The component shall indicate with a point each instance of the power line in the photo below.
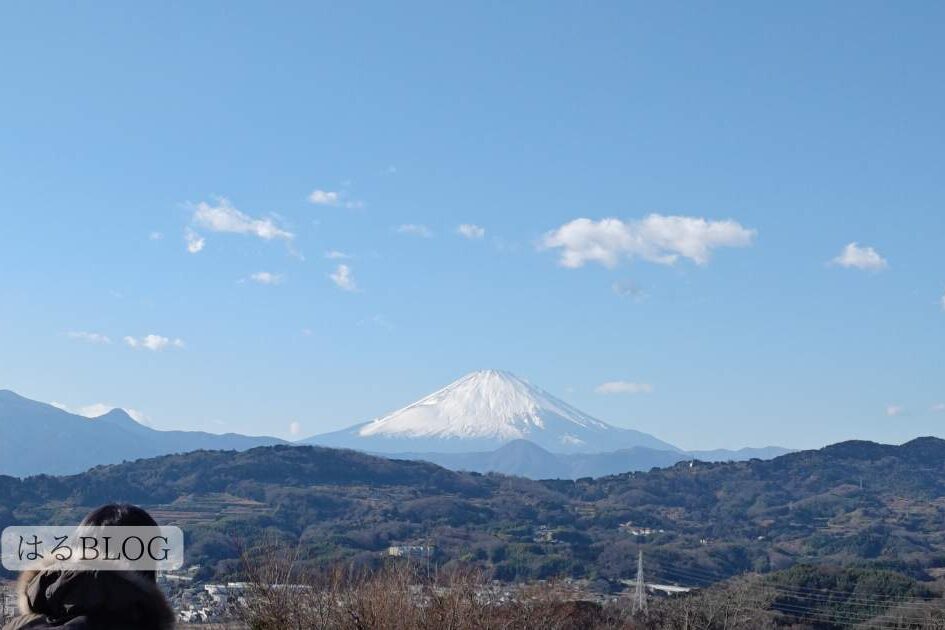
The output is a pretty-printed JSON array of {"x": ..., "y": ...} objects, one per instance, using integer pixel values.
[
  {"x": 876, "y": 607},
  {"x": 711, "y": 577},
  {"x": 823, "y": 595},
  {"x": 849, "y": 617}
]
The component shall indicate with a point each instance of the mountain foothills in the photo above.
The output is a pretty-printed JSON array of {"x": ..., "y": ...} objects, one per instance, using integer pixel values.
[
  {"x": 39, "y": 438},
  {"x": 525, "y": 459},
  {"x": 855, "y": 503}
]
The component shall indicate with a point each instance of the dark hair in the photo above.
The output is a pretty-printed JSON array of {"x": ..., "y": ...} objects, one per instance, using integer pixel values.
[{"x": 121, "y": 515}]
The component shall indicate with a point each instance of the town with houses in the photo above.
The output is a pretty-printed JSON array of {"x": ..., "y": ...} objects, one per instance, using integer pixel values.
[{"x": 200, "y": 603}]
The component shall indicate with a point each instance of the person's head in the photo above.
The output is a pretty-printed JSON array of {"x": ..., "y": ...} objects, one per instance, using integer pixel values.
[
  {"x": 118, "y": 515},
  {"x": 121, "y": 515}
]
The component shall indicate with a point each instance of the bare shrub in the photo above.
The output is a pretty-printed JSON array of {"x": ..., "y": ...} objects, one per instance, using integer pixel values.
[
  {"x": 742, "y": 604},
  {"x": 402, "y": 596}
]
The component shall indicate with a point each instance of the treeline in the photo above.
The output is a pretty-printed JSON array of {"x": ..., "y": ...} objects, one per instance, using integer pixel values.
[{"x": 852, "y": 502}]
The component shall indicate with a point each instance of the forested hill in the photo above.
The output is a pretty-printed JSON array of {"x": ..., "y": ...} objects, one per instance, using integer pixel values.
[
  {"x": 854, "y": 501},
  {"x": 168, "y": 477}
]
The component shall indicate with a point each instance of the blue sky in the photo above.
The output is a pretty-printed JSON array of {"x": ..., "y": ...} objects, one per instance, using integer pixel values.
[{"x": 777, "y": 134}]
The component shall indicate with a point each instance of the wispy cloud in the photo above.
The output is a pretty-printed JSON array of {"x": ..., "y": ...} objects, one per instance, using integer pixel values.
[
  {"x": 506, "y": 247},
  {"x": 471, "y": 231},
  {"x": 655, "y": 238},
  {"x": 295, "y": 428},
  {"x": 324, "y": 197},
  {"x": 153, "y": 342},
  {"x": 943, "y": 302},
  {"x": 623, "y": 387},
  {"x": 265, "y": 277},
  {"x": 194, "y": 241},
  {"x": 628, "y": 289},
  {"x": 377, "y": 320},
  {"x": 894, "y": 410},
  {"x": 343, "y": 278},
  {"x": 413, "y": 229},
  {"x": 94, "y": 410},
  {"x": 321, "y": 197},
  {"x": 224, "y": 217},
  {"x": 937, "y": 407},
  {"x": 89, "y": 337},
  {"x": 855, "y": 256},
  {"x": 334, "y": 254},
  {"x": 155, "y": 236}
]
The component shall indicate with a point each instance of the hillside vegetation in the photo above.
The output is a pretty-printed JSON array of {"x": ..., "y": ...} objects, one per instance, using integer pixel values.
[{"x": 851, "y": 503}]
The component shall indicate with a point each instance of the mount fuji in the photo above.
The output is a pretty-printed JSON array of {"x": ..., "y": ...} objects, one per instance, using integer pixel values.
[{"x": 485, "y": 410}]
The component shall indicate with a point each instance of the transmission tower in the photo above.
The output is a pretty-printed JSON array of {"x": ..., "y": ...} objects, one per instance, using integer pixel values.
[{"x": 639, "y": 590}]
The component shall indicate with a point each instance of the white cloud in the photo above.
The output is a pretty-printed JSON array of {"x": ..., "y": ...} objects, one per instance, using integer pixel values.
[
  {"x": 100, "y": 409},
  {"x": 343, "y": 278},
  {"x": 334, "y": 254},
  {"x": 139, "y": 417},
  {"x": 195, "y": 242},
  {"x": 623, "y": 387},
  {"x": 265, "y": 277},
  {"x": 857, "y": 257},
  {"x": 324, "y": 198},
  {"x": 415, "y": 230},
  {"x": 89, "y": 337},
  {"x": 223, "y": 217},
  {"x": 655, "y": 238},
  {"x": 94, "y": 410},
  {"x": 320, "y": 197},
  {"x": 155, "y": 236},
  {"x": 295, "y": 428},
  {"x": 943, "y": 302},
  {"x": 153, "y": 342},
  {"x": 894, "y": 410},
  {"x": 471, "y": 231},
  {"x": 937, "y": 407}
]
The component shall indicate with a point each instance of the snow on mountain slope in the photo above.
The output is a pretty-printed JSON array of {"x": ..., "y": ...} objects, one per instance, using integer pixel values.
[
  {"x": 490, "y": 404},
  {"x": 487, "y": 409}
]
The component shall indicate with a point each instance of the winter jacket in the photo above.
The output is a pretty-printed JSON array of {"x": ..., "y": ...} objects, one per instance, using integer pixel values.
[{"x": 90, "y": 600}]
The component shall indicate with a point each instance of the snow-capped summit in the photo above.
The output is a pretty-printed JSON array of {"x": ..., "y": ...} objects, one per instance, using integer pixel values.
[
  {"x": 486, "y": 404},
  {"x": 484, "y": 410}
]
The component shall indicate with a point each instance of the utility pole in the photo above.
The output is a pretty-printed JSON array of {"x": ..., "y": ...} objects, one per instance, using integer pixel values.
[
  {"x": 639, "y": 591},
  {"x": 429, "y": 553}
]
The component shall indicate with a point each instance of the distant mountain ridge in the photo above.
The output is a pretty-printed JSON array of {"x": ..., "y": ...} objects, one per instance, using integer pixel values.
[
  {"x": 37, "y": 438},
  {"x": 483, "y": 411},
  {"x": 526, "y": 459}
]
